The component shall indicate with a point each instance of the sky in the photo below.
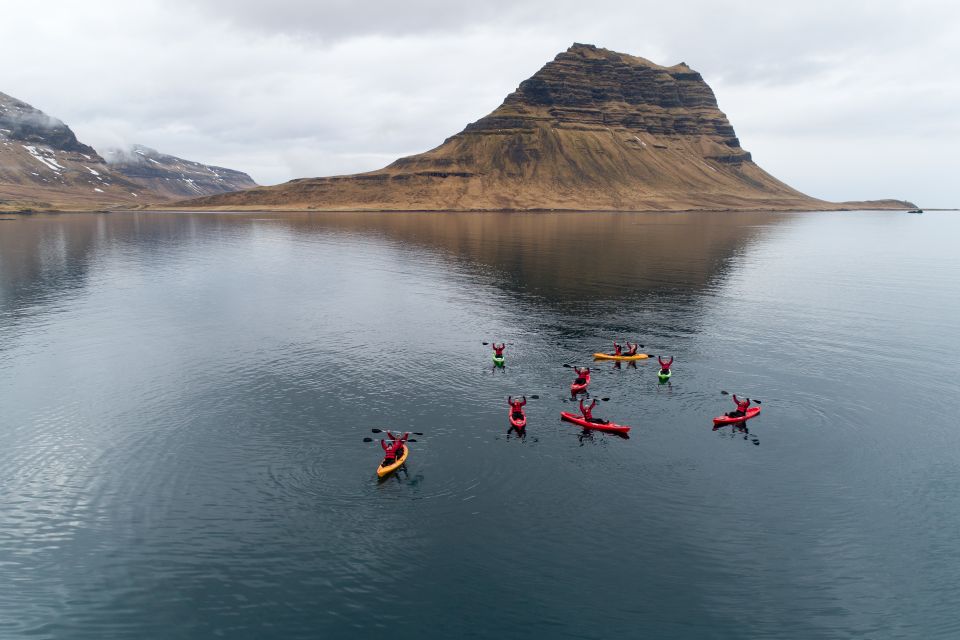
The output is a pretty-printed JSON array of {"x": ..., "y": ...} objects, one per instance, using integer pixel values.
[{"x": 843, "y": 100}]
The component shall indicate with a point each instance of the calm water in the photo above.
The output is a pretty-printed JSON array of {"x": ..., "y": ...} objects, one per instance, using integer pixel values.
[{"x": 184, "y": 397}]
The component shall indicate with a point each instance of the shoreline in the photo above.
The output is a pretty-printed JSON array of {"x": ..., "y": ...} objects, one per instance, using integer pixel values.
[{"x": 31, "y": 212}]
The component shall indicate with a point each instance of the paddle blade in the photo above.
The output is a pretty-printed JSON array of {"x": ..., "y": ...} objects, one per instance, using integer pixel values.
[
  {"x": 605, "y": 399},
  {"x": 566, "y": 366},
  {"x": 410, "y": 440},
  {"x": 377, "y": 430},
  {"x": 368, "y": 439},
  {"x": 416, "y": 433},
  {"x": 724, "y": 393},
  {"x": 757, "y": 401},
  {"x": 486, "y": 343},
  {"x": 534, "y": 397}
]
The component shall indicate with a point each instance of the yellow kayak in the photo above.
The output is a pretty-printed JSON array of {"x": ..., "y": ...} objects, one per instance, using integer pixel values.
[
  {"x": 384, "y": 471},
  {"x": 610, "y": 356}
]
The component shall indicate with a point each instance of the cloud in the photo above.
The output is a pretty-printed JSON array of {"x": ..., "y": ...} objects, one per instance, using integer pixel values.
[{"x": 289, "y": 89}]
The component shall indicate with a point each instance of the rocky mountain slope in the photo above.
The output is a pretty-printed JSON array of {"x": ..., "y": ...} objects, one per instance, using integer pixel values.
[
  {"x": 174, "y": 177},
  {"x": 43, "y": 165},
  {"x": 592, "y": 130}
]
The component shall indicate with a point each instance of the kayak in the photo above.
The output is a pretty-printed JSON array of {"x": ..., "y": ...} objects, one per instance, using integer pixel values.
[
  {"x": 664, "y": 376},
  {"x": 599, "y": 426},
  {"x": 384, "y": 471},
  {"x": 517, "y": 423},
  {"x": 580, "y": 388},
  {"x": 498, "y": 361},
  {"x": 611, "y": 356},
  {"x": 752, "y": 412}
]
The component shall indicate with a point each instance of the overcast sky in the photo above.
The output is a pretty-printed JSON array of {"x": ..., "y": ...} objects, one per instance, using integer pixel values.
[{"x": 842, "y": 100}]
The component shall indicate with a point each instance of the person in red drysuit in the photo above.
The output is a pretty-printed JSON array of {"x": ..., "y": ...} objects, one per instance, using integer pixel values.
[
  {"x": 742, "y": 406},
  {"x": 617, "y": 349},
  {"x": 498, "y": 351},
  {"x": 587, "y": 412},
  {"x": 394, "y": 449},
  {"x": 664, "y": 366},
  {"x": 581, "y": 374},
  {"x": 516, "y": 406},
  {"x": 631, "y": 349}
]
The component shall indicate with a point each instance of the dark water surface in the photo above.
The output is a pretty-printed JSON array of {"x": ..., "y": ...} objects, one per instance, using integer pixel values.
[{"x": 183, "y": 399}]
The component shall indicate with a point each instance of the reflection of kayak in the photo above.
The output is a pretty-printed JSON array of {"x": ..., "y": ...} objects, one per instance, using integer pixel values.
[
  {"x": 498, "y": 361},
  {"x": 587, "y": 424},
  {"x": 664, "y": 376},
  {"x": 751, "y": 413},
  {"x": 580, "y": 388},
  {"x": 610, "y": 356},
  {"x": 518, "y": 423},
  {"x": 384, "y": 471}
]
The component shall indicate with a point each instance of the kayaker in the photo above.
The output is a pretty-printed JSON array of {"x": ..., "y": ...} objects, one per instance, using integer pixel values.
[
  {"x": 581, "y": 374},
  {"x": 631, "y": 349},
  {"x": 741, "y": 407},
  {"x": 587, "y": 412},
  {"x": 617, "y": 349},
  {"x": 664, "y": 366},
  {"x": 498, "y": 351},
  {"x": 516, "y": 406},
  {"x": 393, "y": 449}
]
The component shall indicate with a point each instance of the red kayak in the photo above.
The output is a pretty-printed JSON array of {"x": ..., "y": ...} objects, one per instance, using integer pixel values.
[
  {"x": 580, "y": 388},
  {"x": 518, "y": 420},
  {"x": 752, "y": 412},
  {"x": 587, "y": 424}
]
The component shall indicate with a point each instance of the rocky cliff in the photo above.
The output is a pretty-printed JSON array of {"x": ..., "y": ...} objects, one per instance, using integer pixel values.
[
  {"x": 43, "y": 165},
  {"x": 174, "y": 177},
  {"x": 592, "y": 130}
]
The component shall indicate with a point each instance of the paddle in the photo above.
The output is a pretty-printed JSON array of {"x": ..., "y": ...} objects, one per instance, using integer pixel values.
[
  {"x": 416, "y": 433},
  {"x": 751, "y": 399},
  {"x": 371, "y": 440}
]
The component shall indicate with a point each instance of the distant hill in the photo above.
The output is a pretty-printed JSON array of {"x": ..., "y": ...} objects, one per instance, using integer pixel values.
[
  {"x": 592, "y": 130},
  {"x": 44, "y": 166},
  {"x": 174, "y": 177}
]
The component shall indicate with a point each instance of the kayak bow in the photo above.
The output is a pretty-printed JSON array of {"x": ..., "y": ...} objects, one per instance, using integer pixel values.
[
  {"x": 752, "y": 412},
  {"x": 518, "y": 423},
  {"x": 580, "y": 388},
  {"x": 599, "y": 426},
  {"x": 384, "y": 471},
  {"x": 613, "y": 356}
]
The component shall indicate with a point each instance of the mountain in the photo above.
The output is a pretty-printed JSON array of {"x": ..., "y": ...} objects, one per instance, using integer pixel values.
[
  {"x": 43, "y": 165},
  {"x": 174, "y": 177},
  {"x": 591, "y": 130}
]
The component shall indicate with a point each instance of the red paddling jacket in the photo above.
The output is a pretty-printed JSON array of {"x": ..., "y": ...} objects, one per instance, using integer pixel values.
[
  {"x": 394, "y": 448},
  {"x": 585, "y": 411},
  {"x": 741, "y": 404}
]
